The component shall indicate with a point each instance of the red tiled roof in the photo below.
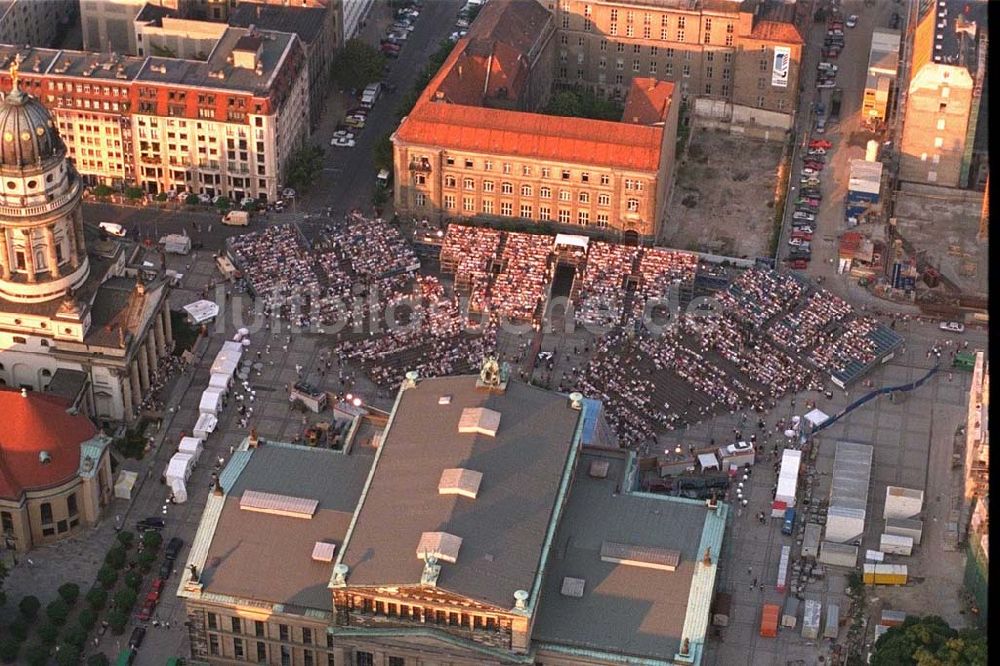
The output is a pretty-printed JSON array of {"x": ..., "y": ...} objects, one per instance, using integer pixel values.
[
  {"x": 33, "y": 424},
  {"x": 776, "y": 31},
  {"x": 648, "y": 101},
  {"x": 498, "y": 132}
]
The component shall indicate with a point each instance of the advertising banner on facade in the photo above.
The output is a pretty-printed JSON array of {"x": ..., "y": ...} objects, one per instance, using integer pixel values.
[{"x": 782, "y": 63}]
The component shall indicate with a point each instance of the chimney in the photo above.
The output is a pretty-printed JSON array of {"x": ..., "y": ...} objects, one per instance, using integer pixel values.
[
  {"x": 520, "y": 600},
  {"x": 576, "y": 400},
  {"x": 411, "y": 379}
]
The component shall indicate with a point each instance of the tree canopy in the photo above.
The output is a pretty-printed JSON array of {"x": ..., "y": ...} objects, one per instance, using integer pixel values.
[
  {"x": 582, "y": 104},
  {"x": 357, "y": 65},
  {"x": 929, "y": 641}
]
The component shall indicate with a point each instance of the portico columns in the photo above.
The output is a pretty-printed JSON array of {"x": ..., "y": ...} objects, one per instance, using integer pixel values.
[{"x": 50, "y": 248}]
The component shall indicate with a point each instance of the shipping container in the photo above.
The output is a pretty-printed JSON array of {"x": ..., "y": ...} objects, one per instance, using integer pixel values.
[
  {"x": 769, "y": 621},
  {"x": 810, "y": 539},
  {"x": 788, "y": 477},
  {"x": 811, "y": 614},
  {"x": 721, "y": 609},
  {"x": 885, "y": 574},
  {"x": 874, "y": 556},
  {"x": 789, "y": 617},
  {"x": 844, "y": 524},
  {"x": 902, "y": 502},
  {"x": 831, "y": 628},
  {"x": 894, "y": 544},
  {"x": 893, "y": 618},
  {"x": 783, "y": 564},
  {"x": 905, "y": 527},
  {"x": 838, "y": 554}
]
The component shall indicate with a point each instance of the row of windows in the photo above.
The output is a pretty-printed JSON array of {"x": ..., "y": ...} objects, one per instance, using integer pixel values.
[
  {"x": 603, "y": 198},
  {"x": 527, "y": 210},
  {"x": 526, "y": 169}
]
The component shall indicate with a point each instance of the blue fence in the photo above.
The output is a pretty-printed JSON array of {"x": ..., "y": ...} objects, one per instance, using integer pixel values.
[{"x": 874, "y": 394}]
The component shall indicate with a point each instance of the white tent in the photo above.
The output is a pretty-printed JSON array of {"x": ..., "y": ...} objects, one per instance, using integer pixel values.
[
  {"x": 179, "y": 468},
  {"x": 179, "y": 489},
  {"x": 205, "y": 426},
  {"x": 202, "y": 311},
  {"x": 192, "y": 446},
  {"x": 708, "y": 461},
  {"x": 817, "y": 417},
  {"x": 573, "y": 240},
  {"x": 124, "y": 484},
  {"x": 220, "y": 381},
  {"x": 211, "y": 402},
  {"x": 228, "y": 359}
]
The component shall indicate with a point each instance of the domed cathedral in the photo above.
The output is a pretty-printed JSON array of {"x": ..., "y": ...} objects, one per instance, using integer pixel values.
[{"x": 75, "y": 319}]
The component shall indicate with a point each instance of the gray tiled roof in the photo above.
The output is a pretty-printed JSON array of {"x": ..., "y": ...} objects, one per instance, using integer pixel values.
[
  {"x": 269, "y": 557},
  {"x": 503, "y": 529},
  {"x": 625, "y": 610},
  {"x": 306, "y": 22}
]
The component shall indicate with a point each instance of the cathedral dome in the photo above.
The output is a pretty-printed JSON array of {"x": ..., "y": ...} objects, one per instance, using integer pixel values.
[{"x": 27, "y": 134}]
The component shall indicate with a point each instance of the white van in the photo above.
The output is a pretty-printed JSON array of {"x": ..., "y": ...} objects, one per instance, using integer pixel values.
[{"x": 371, "y": 94}]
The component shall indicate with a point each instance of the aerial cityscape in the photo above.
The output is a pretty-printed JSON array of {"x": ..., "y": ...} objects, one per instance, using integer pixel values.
[{"x": 494, "y": 332}]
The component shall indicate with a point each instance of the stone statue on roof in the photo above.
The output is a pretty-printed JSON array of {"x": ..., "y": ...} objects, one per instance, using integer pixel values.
[{"x": 489, "y": 374}]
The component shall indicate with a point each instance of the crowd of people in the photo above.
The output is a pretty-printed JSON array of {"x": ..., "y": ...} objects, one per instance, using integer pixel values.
[
  {"x": 659, "y": 270},
  {"x": 798, "y": 330},
  {"x": 526, "y": 272},
  {"x": 601, "y": 298}
]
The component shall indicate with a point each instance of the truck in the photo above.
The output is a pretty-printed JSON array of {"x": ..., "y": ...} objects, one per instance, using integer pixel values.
[
  {"x": 789, "y": 523},
  {"x": 835, "y": 101},
  {"x": 176, "y": 243},
  {"x": 236, "y": 218},
  {"x": 769, "y": 620},
  {"x": 371, "y": 94}
]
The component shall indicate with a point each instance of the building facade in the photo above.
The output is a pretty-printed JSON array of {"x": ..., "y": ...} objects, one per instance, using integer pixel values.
[
  {"x": 67, "y": 303},
  {"x": 56, "y": 470},
  {"x": 471, "y": 147},
  {"x": 35, "y": 22},
  {"x": 935, "y": 125},
  {"x": 224, "y": 126},
  {"x": 740, "y": 61}
]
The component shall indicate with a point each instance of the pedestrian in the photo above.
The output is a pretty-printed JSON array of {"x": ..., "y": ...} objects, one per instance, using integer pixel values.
[{"x": 754, "y": 584}]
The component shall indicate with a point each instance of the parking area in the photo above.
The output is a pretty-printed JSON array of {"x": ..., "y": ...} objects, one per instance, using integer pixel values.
[{"x": 723, "y": 197}]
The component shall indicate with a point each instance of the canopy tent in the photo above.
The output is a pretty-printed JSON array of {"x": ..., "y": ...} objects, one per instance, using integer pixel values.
[
  {"x": 220, "y": 381},
  {"x": 124, "y": 484},
  {"x": 192, "y": 446},
  {"x": 817, "y": 417},
  {"x": 205, "y": 426},
  {"x": 228, "y": 359},
  {"x": 179, "y": 489},
  {"x": 179, "y": 468},
  {"x": 202, "y": 311},
  {"x": 211, "y": 402},
  {"x": 708, "y": 461}
]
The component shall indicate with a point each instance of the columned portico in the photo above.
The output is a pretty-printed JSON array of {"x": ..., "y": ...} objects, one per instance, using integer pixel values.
[
  {"x": 136, "y": 387},
  {"x": 48, "y": 234},
  {"x": 143, "y": 362}
]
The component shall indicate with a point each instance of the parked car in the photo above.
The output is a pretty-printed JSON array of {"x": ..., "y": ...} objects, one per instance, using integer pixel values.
[
  {"x": 821, "y": 143},
  {"x": 173, "y": 548},
  {"x": 150, "y": 523},
  {"x": 288, "y": 193},
  {"x": 343, "y": 134},
  {"x": 852, "y": 21},
  {"x": 343, "y": 143},
  {"x": 814, "y": 164},
  {"x": 807, "y": 201},
  {"x": 817, "y": 152},
  {"x": 811, "y": 192},
  {"x": 826, "y": 67},
  {"x": 952, "y": 326},
  {"x": 148, "y": 606},
  {"x": 135, "y": 640},
  {"x": 166, "y": 569},
  {"x": 204, "y": 198},
  {"x": 798, "y": 264},
  {"x": 799, "y": 215},
  {"x": 804, "y": 230},
  {"x": 806, "y": 171}
]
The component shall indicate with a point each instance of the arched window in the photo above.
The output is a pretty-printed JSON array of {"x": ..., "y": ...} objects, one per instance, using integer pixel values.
[{"x": 46, "y": 513}]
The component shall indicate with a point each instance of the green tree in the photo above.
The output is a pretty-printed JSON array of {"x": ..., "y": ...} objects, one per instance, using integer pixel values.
[
  {"x": 99, "y": 659},
  {"x": 117, "y": 619},
  {"x": 223, "y": 203},
  {"x": 303, "y": 167},
  {"x": 115, "y": 557},
  {"x": 102, "y": 191},
  {"x": 97, "y": 597},
  {"x": 192, "y": 200},
  {"x": 9, "y": 649},
  {"x": 134, "y": 192},
  {"x": 357, "y": 65},
  {"x": 69, "y": 654},
  {"x": 69, "y": 592},
  {"x": 57, "y": 611},
  {"x": 564, "y": 103},
  {"x": 125, "y": 598},
  {"x": 382, "y": 152},
  {"x": 87, "y": 619},
  {"x": 107, "y": 576},
  {"x": 133, "y": 579},
  {"x": 146, "y": 559},
  {"x": 929, "y": 641},
  {"x": 29, "y": 607},
  {"x": 36, "y": 655},
  {"x": 126, "y": 538},
  {"x": 48, "y": 633}
]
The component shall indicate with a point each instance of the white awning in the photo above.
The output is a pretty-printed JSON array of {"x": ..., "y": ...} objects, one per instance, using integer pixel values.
[
  {"x": 708, "y": 461},
  {"x": 817, "y": 417},
  {"x": 202, "y": 311},
  {"x": 570, "y": 239}
]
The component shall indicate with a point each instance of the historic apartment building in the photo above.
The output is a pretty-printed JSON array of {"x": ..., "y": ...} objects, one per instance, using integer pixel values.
[
  {"x": 36, "y": 22},
  {"x": 734, "y": 61},
  {"x": 520, "y": 539},
  {"x": 945, "y": 123},
  {"x": 73, "y": 319},
  {"x": 471, "y": 147},
  {"x": 223, "y": 126}
]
